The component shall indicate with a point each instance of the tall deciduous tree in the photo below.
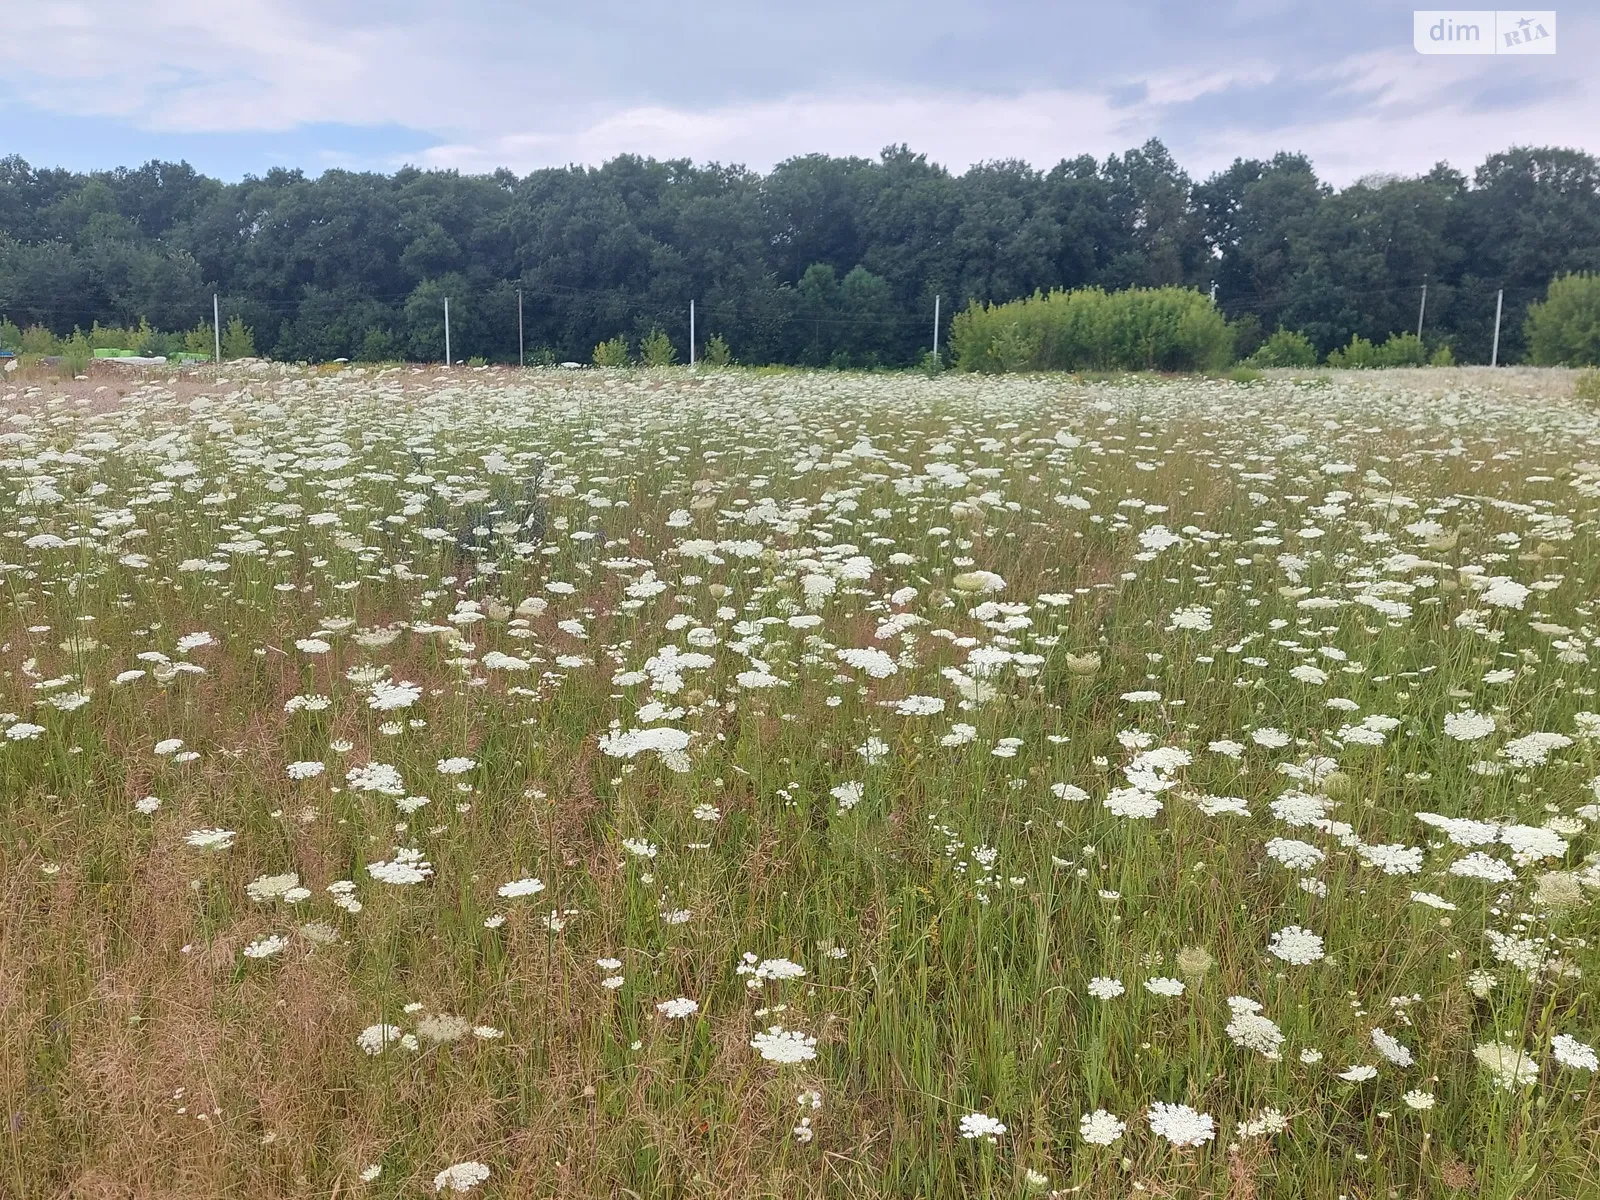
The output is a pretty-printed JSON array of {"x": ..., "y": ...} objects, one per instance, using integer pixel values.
[{"x": 821, "y": 260}]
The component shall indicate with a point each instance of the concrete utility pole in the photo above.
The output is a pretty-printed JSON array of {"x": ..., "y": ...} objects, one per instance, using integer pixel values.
[
  {"x": 1423, "y": 307},
  {"x": 691, "y": 333},
  {"x": 521, "y": 360},
  {"x": 216, "y": 325},
  {"x": 936, "y": 324},
  {"x": 1494, "y": 355},
  {"x": 447, "y": 331}
]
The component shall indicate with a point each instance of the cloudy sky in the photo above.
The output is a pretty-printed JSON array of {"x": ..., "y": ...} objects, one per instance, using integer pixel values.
[{"x": 241, "y": 86}]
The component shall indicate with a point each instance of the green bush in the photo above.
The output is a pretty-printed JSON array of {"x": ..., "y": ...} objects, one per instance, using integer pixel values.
[
  {"x": 1443, "y": 357},
  {"x": 36, "y": 339},
  {"x": 1140, "y": 329},
  {"x": 1401, "y": 350},
  {"x": 1360, "y": 354},
  {"x": 1285, "y": 348},
  {"x": 1587, "y": 385},
  {"x": 76, "y": 354},
  {"x": 113, "y": 337},
  {"x": 657, "y": 350},
  {"x": 157, "y": 344},
  {"x": 1247, "y": 335},
  {"x": 200, "y": 340},
  {"x": 378, "y": 345},
  {"x": 1016, "y": 347},
  {"x": 1244, "y": 375},
  {"x": 717, "y": 352},
  {"x": 613, "y": 353},
  {"x": 238, "y": 339},
  {"x": 1564, "y": 328}
]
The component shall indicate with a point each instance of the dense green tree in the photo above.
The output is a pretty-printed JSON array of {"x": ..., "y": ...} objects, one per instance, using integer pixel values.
[
  {"x": 1248, "y": 214},
  {"x": 817, "y": 309},
  {"x": 868, "y": 332},
  {"x": 821, "y": 260},
  {"x": 1564, "y": 328},
  {"x": 1007, "y": 237},
  {"x": 1359, "y": 260},
  {"x": 814, "y": 207},
  {"x": 1532, "y": 214},
  {"x": 1150, "y": 199}
]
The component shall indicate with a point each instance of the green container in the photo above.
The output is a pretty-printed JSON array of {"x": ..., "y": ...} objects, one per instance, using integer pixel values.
[{"x": 104, "y": 353}]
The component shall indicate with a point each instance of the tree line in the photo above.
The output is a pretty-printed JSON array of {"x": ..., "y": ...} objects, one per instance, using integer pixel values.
[{"x": 822, "y": 260}]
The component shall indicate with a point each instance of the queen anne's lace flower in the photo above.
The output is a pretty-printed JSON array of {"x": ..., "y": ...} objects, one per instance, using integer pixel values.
[
  {"x": 1509, "y": 1067},
  {"x": 460, "y": 1177},
  {"x": 1181, "y": 1125},
  {"x": 405, "y": 868},
  {"x": 1100, "y": 1128},
  {"x": 981, "y": 1126},
  {"x": 1296, "y": 946},
  {"x": 1570, "y": 1052},
  {"x": 781, "y": 1045}
]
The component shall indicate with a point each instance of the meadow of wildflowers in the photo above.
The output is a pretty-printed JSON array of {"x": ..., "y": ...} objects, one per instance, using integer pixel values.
[{"x": 764, "y": 784}]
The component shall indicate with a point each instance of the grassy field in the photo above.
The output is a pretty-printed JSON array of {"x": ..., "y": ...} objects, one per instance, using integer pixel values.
[{"x": 653, "y": 784}]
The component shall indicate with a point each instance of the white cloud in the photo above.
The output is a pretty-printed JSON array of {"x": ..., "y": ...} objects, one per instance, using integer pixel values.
[
  {"x": 954, "y": 130},
  {"x": 1419, "y": 113},
  {"x": 1410, "y": 124},
  {"x": 525, "y": 100},
  {"x": 184, "y": 66}
]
